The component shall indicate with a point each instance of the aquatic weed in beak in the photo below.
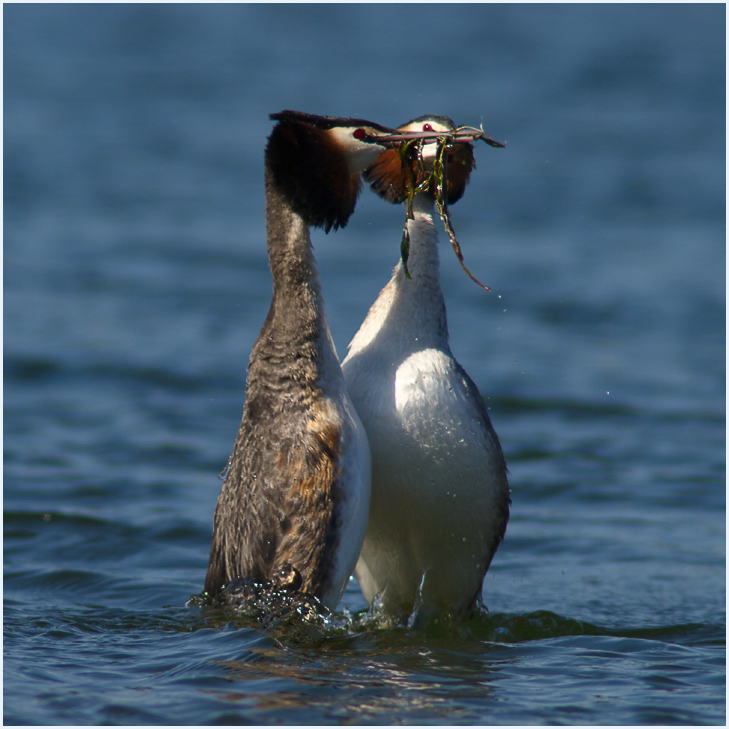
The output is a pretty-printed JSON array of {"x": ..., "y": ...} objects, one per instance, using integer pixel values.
[{"x": 438, "y": 177}]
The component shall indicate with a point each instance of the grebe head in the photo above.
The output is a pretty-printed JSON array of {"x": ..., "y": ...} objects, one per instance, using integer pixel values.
[
  {"x": 317, "y": 160},
  {"x": 389, "y": 174}
]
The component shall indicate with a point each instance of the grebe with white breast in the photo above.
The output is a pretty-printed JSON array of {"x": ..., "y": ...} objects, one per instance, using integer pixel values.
[{"x": 440, "y": 498}]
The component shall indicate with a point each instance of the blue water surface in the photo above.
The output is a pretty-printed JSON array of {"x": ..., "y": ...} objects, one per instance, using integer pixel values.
[{"x": 136, "y": 281}]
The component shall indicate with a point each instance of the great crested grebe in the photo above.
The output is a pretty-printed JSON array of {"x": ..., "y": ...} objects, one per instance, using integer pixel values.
[
  {"x": 296, "y": 495},
  {"x": 440, "y": 497}
]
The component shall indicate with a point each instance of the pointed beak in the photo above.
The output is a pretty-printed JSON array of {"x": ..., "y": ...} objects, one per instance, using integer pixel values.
[
  {"x": 462, "y": 135},
  {"x": 471, "y": 134}
]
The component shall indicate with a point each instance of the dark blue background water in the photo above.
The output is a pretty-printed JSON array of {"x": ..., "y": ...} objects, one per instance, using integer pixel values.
[{"x": 136, "y": 282}]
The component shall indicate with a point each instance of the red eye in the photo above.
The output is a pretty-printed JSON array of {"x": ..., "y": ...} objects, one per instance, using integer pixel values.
[
  {"x": 427, "y": 128},
  {"x": 359, "y": 133}
]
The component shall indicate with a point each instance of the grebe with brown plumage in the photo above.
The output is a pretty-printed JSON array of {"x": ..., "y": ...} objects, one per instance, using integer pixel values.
[{"x": 296, "y": 495}]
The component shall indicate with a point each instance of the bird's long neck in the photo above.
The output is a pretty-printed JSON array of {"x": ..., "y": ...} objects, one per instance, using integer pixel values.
[
  {"x": 410, "y": 312},
  {"x": 290, "y": 254},
  {"x": 420, "y": 298},
  {"x": 295, "y": 344},
  {"x": 423, "y": 262}
]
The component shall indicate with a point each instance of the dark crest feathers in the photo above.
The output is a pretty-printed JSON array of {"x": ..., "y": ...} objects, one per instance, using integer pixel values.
[{"x": 311, "y": 170}]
